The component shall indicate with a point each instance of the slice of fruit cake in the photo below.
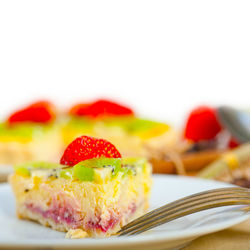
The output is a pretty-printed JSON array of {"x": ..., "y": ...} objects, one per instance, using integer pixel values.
[
  {"x": 93, "y": 190},
  {"x": 31, "y": 133}
]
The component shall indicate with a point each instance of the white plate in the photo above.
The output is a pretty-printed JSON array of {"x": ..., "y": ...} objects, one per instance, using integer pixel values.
[{"x": 175, "y": 234}]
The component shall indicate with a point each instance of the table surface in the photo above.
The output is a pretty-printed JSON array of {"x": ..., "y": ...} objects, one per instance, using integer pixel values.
[{"x": 235, "y": 238}]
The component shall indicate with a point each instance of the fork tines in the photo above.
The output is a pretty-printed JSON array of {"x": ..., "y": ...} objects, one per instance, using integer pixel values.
[{"x": 188, "y": 205}]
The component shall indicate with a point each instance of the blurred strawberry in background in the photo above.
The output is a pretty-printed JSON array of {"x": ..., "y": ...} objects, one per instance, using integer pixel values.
[
  {"x": 100, "y": 107},
  {"x": 39, "y": 112},
  {"x": 202, "y": 124}
]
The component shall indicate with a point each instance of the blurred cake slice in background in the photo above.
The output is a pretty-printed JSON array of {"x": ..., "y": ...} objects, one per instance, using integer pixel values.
[
  {"x": 30, "y": 133},
  {"x": 119, "y": 124}
]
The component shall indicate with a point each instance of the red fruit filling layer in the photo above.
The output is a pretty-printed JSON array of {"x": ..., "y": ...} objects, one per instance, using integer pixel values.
[
  {"x": 57, "y": 214},
  {"x": 69, "y": 216}
]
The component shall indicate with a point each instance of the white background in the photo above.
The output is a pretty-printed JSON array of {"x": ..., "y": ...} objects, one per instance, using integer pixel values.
[{"x": 162, "y": 57}]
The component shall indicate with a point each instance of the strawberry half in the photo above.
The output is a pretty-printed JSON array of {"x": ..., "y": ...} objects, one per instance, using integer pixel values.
[
  {"x": 233, "y": 143},
  {"x": 87, "y": 147},
  {"x": 202, "y": 124},
  {"x": 80, "y": 109},
  {"x": 40, "y": 112},
  {"x": 100, "y": 108}
]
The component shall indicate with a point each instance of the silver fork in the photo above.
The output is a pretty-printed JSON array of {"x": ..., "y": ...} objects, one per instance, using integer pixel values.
[{"x": 188, "y": 205}]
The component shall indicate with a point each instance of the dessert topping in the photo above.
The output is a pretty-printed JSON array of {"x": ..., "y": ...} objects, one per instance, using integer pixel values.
[
  {"x": 86, "y": 147},
  {"x": 202, "y": 124},
  {"x": 40, "y": 112},
  {"x": 100, "y": 108}
]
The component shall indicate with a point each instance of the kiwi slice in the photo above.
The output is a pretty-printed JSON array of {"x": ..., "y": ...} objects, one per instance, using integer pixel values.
[
  {"x": 27, "y": 167},
  {"x": 85, "y": 170},
  {"x": 67, "y": 173},
  {"x": 129, "y": 165},
  {"x": 83, "y": 173}
]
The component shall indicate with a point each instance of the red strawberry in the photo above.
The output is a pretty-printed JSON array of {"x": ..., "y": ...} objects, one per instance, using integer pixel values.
[
  {"x": 202, "y": 124},
  {"x": 41, "y": 112},
  {"x": 79, "y": 109},
  {"x": 100, "y": 108},
  {"x": 86, "y": 147},
  {"x": 233, "y": 143}
]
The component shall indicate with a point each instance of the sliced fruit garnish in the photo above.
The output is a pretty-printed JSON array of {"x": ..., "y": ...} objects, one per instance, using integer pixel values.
[
  {"x": 79, "y": 109},
  {"x": 40, "y": 112},
  {"x": 86, "y": 147},
  {"x": 84, "y": 170},
  {"x": 129, "y": 165},
  {"x": 101, "y": 162},
  {"x": 22, "y": 171},
  {"x": 100, "y": 108},
  {"x": 233, "y": 143},
  {"x": 146, "y": 129},
  {"x": 67, "y": 173},
  {"x": 83, "y": 173},
  {"x": 138, "y": 125},
  {"x": 136, "y": 161},
  {"x": 25, "y": 168},
  {"x": 202, "y": 124}
]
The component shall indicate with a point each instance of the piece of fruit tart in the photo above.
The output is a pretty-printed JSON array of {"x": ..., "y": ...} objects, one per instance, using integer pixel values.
[
  {"x": 119, "y": 124},
  {"x": 93, "y": 192},
  {"x": 30, "y": 134}
]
